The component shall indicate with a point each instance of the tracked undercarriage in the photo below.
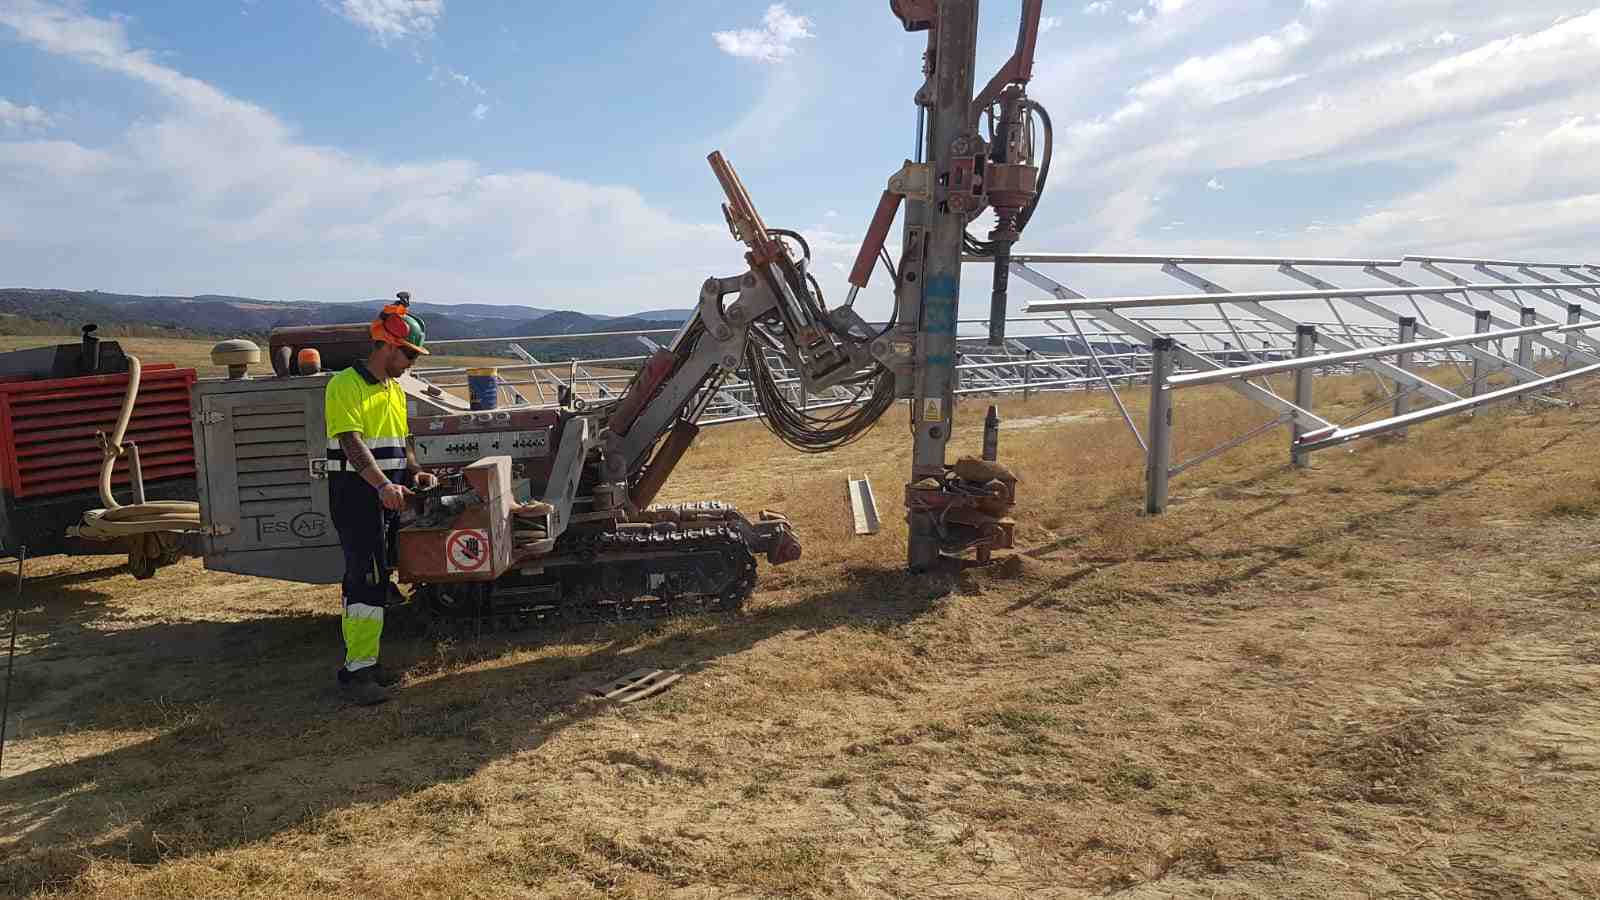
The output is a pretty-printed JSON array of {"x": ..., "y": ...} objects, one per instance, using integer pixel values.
[{"x": 669, "y": 561}]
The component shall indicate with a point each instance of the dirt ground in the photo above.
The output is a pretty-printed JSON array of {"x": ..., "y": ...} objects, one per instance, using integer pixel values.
[{"x": 1373, "y": 678}]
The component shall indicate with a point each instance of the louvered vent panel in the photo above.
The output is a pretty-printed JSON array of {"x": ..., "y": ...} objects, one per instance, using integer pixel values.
[
  {"x": 269, "y": 445},
  {"x": 51, "y": 427}
]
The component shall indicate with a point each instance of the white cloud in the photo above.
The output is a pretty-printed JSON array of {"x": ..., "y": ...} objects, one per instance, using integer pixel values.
[
  {"x": 1152, "y": 9},
  {"x": 479, "y": 111},
  {"x": 1049, "y": 23},
  {"x": 1392, "y": 47},
  {"x": 1234, "y": 72},
  {"x": 1479, "y": 151},
  {"x": 1098, "y": 8},
  {"x": 392, "y": 20},
  {"x": 772, "y": 42},
  {"x": 14, "y": 115},
  {"x": 459, "y": 78},
  {"x": 254, "y": 208},
  {"x": 1215, "y": 184}
]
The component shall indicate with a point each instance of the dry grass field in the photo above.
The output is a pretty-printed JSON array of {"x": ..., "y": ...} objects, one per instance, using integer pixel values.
[
  {"x": 1379, "y": 677},
  {"x": 197, "y": 354}
]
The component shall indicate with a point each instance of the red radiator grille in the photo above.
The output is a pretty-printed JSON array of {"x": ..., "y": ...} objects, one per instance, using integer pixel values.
[{"x": 48, "y": 429}]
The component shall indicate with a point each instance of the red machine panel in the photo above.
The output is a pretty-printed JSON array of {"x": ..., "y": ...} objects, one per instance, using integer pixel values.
[{"x": 48, "y": 427}]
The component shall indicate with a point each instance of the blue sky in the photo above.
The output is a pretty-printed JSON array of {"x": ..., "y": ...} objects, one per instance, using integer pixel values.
[{"x": 552, "y": 153}]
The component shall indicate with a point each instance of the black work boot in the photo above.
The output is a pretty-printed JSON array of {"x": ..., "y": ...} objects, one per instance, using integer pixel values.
[
  {"x": 385, "y": 677},
  {"x": 360, "y": 687}
]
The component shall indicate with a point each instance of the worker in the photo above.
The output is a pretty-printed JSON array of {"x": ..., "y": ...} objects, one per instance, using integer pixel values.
[{"x": 371, "y": 471}]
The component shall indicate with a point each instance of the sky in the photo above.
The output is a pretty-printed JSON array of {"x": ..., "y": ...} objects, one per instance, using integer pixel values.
[{"x": 553, "y": 153}]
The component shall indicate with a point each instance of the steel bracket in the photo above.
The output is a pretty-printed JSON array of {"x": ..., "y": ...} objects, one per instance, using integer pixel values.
[{"x": 914, "y": 181}]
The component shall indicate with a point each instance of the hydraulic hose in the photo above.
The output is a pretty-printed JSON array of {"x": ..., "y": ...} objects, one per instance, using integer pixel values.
[
  {"x": 115, "y": 520},
  {"x": 113, "y": 447}
]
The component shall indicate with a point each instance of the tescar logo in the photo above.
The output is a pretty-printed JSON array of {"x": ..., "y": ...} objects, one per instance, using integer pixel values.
[{"x": 307, "y": 526}]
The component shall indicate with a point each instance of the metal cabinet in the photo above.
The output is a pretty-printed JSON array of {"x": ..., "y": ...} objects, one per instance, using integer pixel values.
[{"x": 263, "y": 489}]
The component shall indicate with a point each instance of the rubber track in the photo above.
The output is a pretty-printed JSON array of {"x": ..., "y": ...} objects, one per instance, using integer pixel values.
[{"x": 592, "y": 553}]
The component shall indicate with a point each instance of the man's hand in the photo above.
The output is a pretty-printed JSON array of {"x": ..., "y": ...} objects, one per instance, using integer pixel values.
[
  {"x": 425, "y": 481},
  {"x": 393, "y": 497}
]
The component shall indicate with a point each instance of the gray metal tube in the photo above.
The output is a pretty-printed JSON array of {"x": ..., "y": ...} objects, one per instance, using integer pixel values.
[
  {"x": 1493, "y": 290},
  {"x": 1574, "y": 316},
  {"x": 1338, "y": 436},
  {"x": 991, "y": 434},
  {"x": 1402, "y": 393},
  {"x": 997, "y": 296},
  {"x": 135, "y": 471},
  {"x": 1530, "y": 316},
  {"x": 1159, "y": 459},
  {"x": 1481, "y": 323},
  {"x": 1305, "y": 344}
]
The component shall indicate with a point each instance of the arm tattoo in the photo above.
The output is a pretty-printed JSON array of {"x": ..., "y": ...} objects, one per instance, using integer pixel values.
[
  {"x": 411, "y": 456},
  {"x": 358, "y": 456}
]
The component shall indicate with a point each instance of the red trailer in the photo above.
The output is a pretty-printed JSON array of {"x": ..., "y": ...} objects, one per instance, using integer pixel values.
[{"x": 53, "y": 403}]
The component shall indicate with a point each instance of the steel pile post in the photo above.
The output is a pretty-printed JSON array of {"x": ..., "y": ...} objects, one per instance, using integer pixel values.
[
  {"x": 1159, "y": 459},
  {"x": 1402, "y": 393},
  {"x": 1574, "y": 316},
  {"x": 1530, "y": 316},
  {"x": 1305, "y": 344},
  {"x": 1481, "y": 323}
]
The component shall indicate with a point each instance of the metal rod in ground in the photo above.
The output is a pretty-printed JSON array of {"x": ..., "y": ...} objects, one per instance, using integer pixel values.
[
  {"x": 1402, "y": 392},
  {"x": 11, "y": 658},
  {"x": 1481, "y": 323},
  {"x": 1305, "y": 344},
  {"x": 1574, "y": 316},
  {"x": 991, "y": 434},
  {"x": 1159, "y": 458},
  {"x": 1530, "y": 316}
]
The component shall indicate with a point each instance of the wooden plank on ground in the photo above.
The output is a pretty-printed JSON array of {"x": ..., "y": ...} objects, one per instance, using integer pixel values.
[{"x": 635, "y": 686}]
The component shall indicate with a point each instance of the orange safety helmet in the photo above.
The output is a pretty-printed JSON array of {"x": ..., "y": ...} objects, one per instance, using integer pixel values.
[{"x": 397, "y": 326}]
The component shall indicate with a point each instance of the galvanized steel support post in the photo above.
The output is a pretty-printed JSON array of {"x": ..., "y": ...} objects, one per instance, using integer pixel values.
[
  {"x": 1481, "y": 323},
  {"x": 1574, "y": 316},
  {"x": 1305, "y": 344},
  {"x": 1530, "y": 316},
  {"x": 1159, "y": 459},
  {"x": 1402, "y": 393}
]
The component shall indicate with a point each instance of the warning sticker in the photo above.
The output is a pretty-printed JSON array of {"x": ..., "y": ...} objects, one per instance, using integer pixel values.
[
  {"x": 932, "y": 409},
  {"x": 467, "y": 550}
]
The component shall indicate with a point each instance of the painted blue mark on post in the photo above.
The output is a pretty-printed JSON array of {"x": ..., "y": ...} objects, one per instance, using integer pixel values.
[{"x": 939, "y": 305}]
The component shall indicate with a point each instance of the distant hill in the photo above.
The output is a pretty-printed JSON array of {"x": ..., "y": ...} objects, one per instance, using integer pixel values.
[
  {"x": 665, "y": 315},
  {"x": 226, "y": 316}
]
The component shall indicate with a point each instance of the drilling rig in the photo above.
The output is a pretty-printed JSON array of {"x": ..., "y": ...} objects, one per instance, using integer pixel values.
[{"x": 546, "y": 512}]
